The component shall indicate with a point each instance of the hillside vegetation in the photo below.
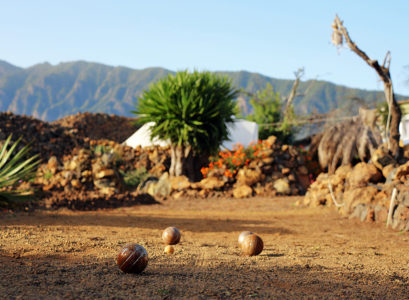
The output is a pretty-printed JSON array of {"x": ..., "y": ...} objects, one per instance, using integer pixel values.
[{"x": 50, "y": 92}]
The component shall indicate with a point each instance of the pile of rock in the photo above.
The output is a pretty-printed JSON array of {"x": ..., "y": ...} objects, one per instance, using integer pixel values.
[
  {"x": 279, "y": 169},
  {"x": 46, "y": 139},
  {"x": 365, "y": 191},
  {"x": 96, "y": 126},
  {"x": 98, "y": 171},
  {"x": 95, "y": 172},
  {"x": 80, "y": 170}
]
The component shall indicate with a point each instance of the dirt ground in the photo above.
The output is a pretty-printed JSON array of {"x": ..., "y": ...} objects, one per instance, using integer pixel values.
[{"x": 308, "y": 253}]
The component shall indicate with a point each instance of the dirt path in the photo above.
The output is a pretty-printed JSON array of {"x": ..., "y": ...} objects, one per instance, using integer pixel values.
[{"x": 308, "y": 252}]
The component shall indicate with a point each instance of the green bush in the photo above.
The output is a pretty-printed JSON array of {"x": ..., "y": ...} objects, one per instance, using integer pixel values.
[
  {"x": 191, "y": 111},
  {"x": 268, "y": 114},
  {"x": 133, "y": 178}
]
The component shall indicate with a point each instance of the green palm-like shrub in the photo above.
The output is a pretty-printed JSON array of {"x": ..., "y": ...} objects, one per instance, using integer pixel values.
[
  {"x": 191, "y": 110},
  {"x": 15, "y": 167}
]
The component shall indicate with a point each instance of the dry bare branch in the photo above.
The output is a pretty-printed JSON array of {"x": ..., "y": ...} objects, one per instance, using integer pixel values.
[{"x": 384, "y": 74}]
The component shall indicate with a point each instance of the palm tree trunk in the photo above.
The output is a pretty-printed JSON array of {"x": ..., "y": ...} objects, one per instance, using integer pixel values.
[
  {"x": 177, "y": 159},
  {"x": 184, "y": 162}
]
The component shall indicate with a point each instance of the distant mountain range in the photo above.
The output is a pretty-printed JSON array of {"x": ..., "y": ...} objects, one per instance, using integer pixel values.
[{"x": 50, "y": 92}]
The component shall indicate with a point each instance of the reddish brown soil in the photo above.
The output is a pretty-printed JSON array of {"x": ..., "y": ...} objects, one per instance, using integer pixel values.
[{"x": 308, "y": 253}]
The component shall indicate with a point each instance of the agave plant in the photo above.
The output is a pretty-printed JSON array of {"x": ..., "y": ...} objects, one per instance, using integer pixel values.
[{"x": 15, "y": 168}]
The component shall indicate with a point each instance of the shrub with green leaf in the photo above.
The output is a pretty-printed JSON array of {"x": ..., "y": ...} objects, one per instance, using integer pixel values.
[
  {"x": 133, "y": 178},
  {"x": 15, "y": 167},
  {"x": 268, "y": 113},
  {"x": 191, "y": 110}
]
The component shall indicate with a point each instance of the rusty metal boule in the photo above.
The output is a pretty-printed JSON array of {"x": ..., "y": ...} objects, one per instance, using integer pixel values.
[
  {"x": 171, "y": 236},
  {"x": 252, "y": 245},
  {"x": 242, "y": 235},
  {"x": 133, "y": 258}
]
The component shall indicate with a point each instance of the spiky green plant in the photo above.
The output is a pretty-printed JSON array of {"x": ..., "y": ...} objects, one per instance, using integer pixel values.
[
  {"x": 191, "y": 111},
  {"x": 14, "y": 168}
]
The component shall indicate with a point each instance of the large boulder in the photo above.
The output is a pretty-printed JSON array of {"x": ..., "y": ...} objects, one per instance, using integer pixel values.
[
  {"x": 211, "y": 183},
  {"x": 381, "y": 157},
  {"x": 402, "y": 173},
  {"x": 353, "y": 197},
  {"x": 242, "y": 191},
  {"x": 161, "y": 187},
  {"x": 249, "y": 176},
  {"x": 179, "y": 183},
  {"x": 282, "y": 186},
  {"x": 363, "y": 173},
  {"x": 400, "y": 217}
]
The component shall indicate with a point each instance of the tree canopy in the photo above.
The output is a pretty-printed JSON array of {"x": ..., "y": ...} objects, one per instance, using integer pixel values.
[{"x": 191, "y": 110}]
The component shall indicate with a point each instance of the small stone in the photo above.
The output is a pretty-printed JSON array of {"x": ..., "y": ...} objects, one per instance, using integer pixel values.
[
  {"x": 52, "y": 164},
  {"x": 362, "y": 173},
  {"x": 104, "y": 173},
  {"x": 242, "y": 191},
  {"x": 163, "y": 187},
  {"x": 169, "y": 249},
  {"x": 211, "y": 183},
  {"x": 302, "y": 170},
  {"x": 73, "y": 165},
  {"x": 268, "y": 160},
  {"x": 86, "y": 173},
  {"x": 179, "y": 183},
  {"x": 285, "y": 171},
  {"x": 291, "y": 177},
  {"x": 249, "y": 176},
  {"x": 64, "y": 182},
  {"x": 108, "y": 190},
  {"x": 75, "y": 183},
  {"x": 203, "y": 193},
  {"x": 178, "y": 195},
  {"x": 266, "y": 153},
  {"x": 389, "y": 171},
  {"x": 271, "y": 140},
  {"x": 282, "y": 186},
  {"x": 360, "y": 212}
]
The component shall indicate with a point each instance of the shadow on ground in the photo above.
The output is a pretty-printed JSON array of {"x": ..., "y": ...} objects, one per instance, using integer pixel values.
[
  {"x": 151, "y": 222},
  {"x": 40, "y": 277}
]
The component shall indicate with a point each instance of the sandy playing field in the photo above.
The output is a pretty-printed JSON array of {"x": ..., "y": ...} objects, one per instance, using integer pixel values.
[{"x": 307, "y": 252}]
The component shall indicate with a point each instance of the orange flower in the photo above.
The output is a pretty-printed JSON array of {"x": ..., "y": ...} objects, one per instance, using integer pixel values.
[
  {"x": 228, "y": 173},
  {"x": 204, "y": 171}
]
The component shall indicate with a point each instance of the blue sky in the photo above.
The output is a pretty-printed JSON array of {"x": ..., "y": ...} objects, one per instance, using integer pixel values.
[{"x": 273, "y": 38}]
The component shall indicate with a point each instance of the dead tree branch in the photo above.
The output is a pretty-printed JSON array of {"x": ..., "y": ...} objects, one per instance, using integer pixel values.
[
  {"x": 293, "y": 93},
  {"x": 339, "y": 34}
]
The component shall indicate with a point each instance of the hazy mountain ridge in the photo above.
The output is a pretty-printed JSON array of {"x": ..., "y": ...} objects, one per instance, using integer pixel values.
[{"x": 50, "y": 92}]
